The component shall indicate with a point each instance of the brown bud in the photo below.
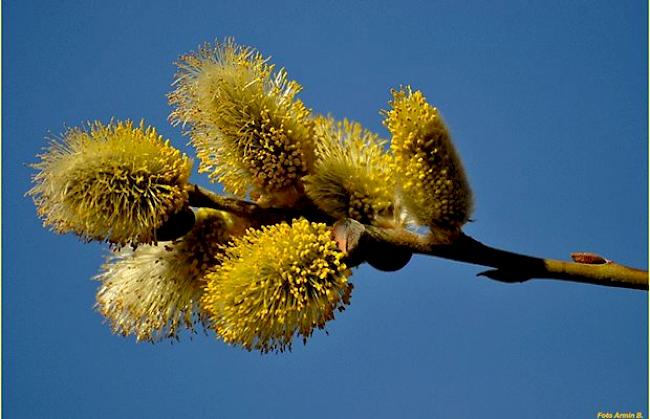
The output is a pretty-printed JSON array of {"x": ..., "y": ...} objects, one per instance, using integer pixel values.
[
  {"x": 387, "y": 258},
  {"x": 359, "y": 247},
  {"x": 589, "y": 258}
]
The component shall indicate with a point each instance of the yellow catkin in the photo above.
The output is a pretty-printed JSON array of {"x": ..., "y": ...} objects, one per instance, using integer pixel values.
[
  {"x": 115, "y": 182},
  {"x": 250, "y": 131},
  {"x": 434, "y": 188},
  {"x": 352, "y": 175},
  {"x": 277, "y": 282},
  {"x": 153, "y": 292}
]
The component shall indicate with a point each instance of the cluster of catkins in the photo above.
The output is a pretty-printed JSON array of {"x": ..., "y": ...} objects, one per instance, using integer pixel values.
[{"x": 257, "y": 286}]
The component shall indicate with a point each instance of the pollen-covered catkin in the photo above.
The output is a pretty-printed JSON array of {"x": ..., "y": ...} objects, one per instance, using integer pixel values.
[
  {"x": 434, "y": 188},
  {"x": 115, "y": 182},
  {"x": 352, "y": 175},
  {"x": 153, "y": 292},
  {"x": 277, "y": 282},
  {"x": 250, "y": 131}
]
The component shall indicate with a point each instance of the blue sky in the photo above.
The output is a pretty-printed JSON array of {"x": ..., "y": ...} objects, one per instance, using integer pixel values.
[{"x": 547, "y": 103}]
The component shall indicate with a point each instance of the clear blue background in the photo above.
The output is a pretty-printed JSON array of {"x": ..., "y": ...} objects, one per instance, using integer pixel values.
[{"x": 547, "y": 102}]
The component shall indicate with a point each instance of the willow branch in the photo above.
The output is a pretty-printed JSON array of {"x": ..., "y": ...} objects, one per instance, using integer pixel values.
[
  {"x": 257, "y": 215},
  {"x": 514, "y": 267},
  {"x": 362, "y": 239},
  {"x": 201, "y": 197}
]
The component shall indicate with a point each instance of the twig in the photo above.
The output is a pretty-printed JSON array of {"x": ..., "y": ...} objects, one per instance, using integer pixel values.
[
  {"x": 257, "y": 215},
  {"x": 201, "y": 197},
  {"x": 513, "y": 267},
  {"x": 361, "y": 239}
]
